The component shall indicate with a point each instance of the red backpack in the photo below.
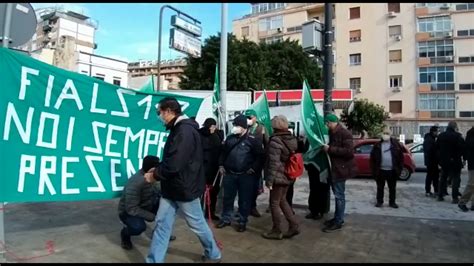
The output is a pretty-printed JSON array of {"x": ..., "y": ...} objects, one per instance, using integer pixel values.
[{"x": 294, "y": 166}]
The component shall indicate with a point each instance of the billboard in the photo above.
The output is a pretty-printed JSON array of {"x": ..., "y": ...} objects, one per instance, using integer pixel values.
[
  {"x": 185, "y": 42},
  {"x": 178, "y": 22}
]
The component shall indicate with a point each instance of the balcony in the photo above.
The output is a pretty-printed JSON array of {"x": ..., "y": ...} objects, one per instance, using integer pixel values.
[
  {"x": 426, "y": 61},
  {"x": 436, "y": 87}
]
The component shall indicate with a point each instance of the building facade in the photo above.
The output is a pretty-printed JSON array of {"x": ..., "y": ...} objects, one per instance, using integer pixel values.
[
  {"x": 417, "y": 60},
  {"x": 170, "y": 71}
]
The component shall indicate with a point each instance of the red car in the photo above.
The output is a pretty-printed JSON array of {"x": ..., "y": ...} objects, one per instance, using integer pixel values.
[{"x": 362, "y": 149}]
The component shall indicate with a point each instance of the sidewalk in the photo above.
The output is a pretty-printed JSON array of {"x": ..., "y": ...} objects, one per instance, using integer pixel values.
[{"x": 417, "y": 232}]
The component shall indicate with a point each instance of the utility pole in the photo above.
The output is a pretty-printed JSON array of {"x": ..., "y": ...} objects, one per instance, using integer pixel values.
[
  {"x": 5, "y": 42},
  {"x": 223, "y": 65},
  {"x": 328, "y": 58}
]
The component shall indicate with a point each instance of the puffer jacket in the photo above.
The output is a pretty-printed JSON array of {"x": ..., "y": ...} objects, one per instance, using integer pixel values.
[
  {"x": 138, "y": 197},
  {"x": 277, "y": 154}
]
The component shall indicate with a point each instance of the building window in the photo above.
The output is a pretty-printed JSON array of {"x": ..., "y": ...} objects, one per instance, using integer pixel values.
[
  {"x": 438, "y": 48},
  {"x": 117, "y": 82},
  {"x": 394, "y": 7},
  {"x": 271, "y": 23},
  {"x": 264, "y": 7},
  {"x": 98, "y": 77},
  {"x": 354, "y": 83},
  {"x": 395, "y": 107},
  {"x": 466, "y": 87},
  {"x": 294, "y": 29},
  {"x": 463, "y": 33},
  {"x": 441, "y": 78},
  {"x": 466, "y": 114},
  {"x": 354, "y": 13},
  {"x": 355, "y": 59},
  {"x": 395, "y": 30},
  {"x": 426, "y": 129},
  {"x": 271, "y": 40},
  {"x": 396, "y": 130},
  {"x": 245, "y": 31},
  {"x": 441, "y": 105},
  {"x": 354, "y": 36},
  {"x": 466, "y": 59},
  {"x": 465, "y": 6},
  {"x": 395, "y": 56},
  {"x": 436, "y": 26},
  {"x": 395, "y": 81}
]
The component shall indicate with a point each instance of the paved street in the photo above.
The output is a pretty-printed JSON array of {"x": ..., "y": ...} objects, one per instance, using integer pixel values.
[{"x": 422, "y": 230}]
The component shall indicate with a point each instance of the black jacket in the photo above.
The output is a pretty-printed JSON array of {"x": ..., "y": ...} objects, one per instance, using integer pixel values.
[
  {"x": 212, "y": 146},
  {"x": 470, "y": 149},
  {"x": 138, "y": 197},
  {"x": 429, "y": 150},
  {"x": 240, "y": 158},
  {"x": 376, "y": 157},
  {"x": 181, "y": 170},
  {"x": 450, "y": 147}
]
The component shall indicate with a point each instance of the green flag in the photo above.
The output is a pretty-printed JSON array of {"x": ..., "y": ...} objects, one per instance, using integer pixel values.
[
  {"x": 316, "y": 133},
  {"x": 149, "y": 87},
  {"x": 216, "y": 98},
  {"x": 260, "y": 106},
  {"x": 69, "y": 137}
]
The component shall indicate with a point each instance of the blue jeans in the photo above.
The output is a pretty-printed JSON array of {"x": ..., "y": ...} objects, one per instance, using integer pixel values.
[
  {"x": 134, "y": 225},
  {"x": 338, "y": 188},
  {"x": 244, "y": 185},
  {"x": 195, "y": 220}
]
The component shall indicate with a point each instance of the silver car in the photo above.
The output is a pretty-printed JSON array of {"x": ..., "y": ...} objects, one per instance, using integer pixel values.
[{"x": 416, "y": 150}]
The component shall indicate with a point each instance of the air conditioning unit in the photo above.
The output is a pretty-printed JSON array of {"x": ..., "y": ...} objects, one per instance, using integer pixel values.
[
  {"x": 398, "y": 37},
  {"x": 279, "y": 30},
  {"x": 392, "y": 14},
  {"x": 444, "y": 6},
  {"x": 449, "y": 58},
  {"x": 448, "y": 34},
  {"x": 397, "y": 89}
]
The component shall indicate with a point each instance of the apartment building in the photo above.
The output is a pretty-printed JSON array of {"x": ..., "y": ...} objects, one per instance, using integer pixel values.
[
  {"x": 66, "y": 39},
  {"x": 417, "y": 60},
  {"x": 170, "y": 71}
]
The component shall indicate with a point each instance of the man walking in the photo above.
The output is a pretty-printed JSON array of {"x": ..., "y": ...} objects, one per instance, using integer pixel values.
[
  {"x": 341, "y": 153},
  {"x": 431, "y": 161},
  {"x": 181, "y": 173},
  {"x": 258, "y": 131},
  {"x": 450, "y": 147},
  {"x": 241, "y": 163},
  {"x": 386, "y": 162},
  {"x": 469, "y": 190}
]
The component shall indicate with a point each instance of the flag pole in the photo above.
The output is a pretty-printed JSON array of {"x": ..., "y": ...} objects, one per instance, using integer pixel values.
[{"x": 223, "y": 63}]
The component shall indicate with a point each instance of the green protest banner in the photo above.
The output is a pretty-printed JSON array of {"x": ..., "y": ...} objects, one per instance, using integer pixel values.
[
  {"x": 316, "y": 133},
  {"x": 260, "y": 106},
  {"x": 67, "y": 136},
  {"x": 148, "y": 87}
]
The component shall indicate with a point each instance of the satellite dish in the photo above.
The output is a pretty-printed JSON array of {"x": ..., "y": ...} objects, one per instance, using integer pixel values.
[{"x": 23, "y": 23}]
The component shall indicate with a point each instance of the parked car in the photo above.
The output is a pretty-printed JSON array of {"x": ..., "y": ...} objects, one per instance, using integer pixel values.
[
  {"x": 416, "y": 150},
  {"x": 362, "y": 149}
]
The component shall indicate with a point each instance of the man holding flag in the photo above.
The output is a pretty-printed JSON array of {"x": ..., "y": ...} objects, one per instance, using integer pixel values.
[{"x": 258, "y": 119}]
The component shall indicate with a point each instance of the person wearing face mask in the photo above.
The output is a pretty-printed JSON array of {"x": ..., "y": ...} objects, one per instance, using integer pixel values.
[
  {"x": 341, "y": 152},
  {"x": 386, "y": 162},
  {"x": 240, "y": 163},
  {"x": 431, "y": 161},
  {"x": 259, "y": 131},
  {"x": 212, "y": 145},
  {"x": 181, "y": 173}
]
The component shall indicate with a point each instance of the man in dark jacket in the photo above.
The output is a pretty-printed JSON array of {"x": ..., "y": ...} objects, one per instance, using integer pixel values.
[
  {"x": 241, "y": 163},
  {"x": 139, "y": 203},
  {"x": 212, "y": 145},
  {"x": 386, "y": 163},
  {"x": 468, "y": 193},
  {"x": 341, "y": 153},
  {"x": 431, "y": 161},
  {"x": 181, "y": 173},
  {"x": 450, "y": 148},
  {"x": 258, "y": 131}
]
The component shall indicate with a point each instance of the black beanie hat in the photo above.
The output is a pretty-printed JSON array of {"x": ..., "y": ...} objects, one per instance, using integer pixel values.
[{"x": 240, "y": 121}]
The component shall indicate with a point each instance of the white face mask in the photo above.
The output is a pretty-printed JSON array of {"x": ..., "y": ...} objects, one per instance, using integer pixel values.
[
  {"x": 237, "y": 130},
  {"x": 249, "y": 122},
  {"x": 386, "y": 137}
]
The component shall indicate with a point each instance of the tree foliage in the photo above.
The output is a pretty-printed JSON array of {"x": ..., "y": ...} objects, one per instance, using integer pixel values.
[
  {"x": 251, "y": 66},
  {"x": 366, "y": 116}
]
